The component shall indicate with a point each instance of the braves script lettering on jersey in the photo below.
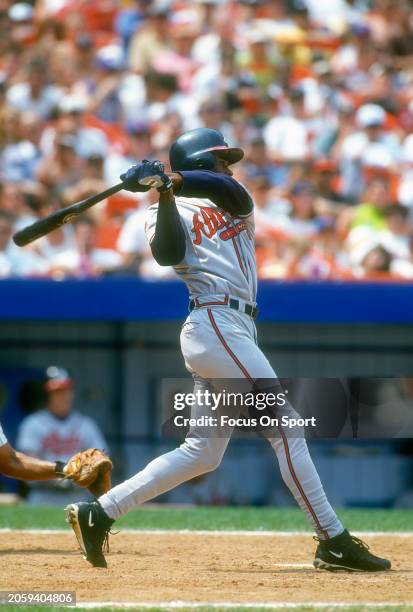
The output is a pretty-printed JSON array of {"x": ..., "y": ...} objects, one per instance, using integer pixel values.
[
  {"x": 47, "y": 437},
  {"x": 220, "y": 252},
  {"x": 219, "y": 343}
]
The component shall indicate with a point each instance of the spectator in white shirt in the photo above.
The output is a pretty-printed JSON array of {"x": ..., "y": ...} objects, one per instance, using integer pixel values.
[
  {"x": 85, "y": 259},
  {"x": 15, "y": 261},
  {"x": 35, "y": 95},
  {"x": 287, "y": 136},
  {"x": 134, "y": 247},
  {"x": 370, "y": 146}
]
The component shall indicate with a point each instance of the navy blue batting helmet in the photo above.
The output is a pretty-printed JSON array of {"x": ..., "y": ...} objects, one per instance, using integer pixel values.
[{"x": 198, "y": 150}]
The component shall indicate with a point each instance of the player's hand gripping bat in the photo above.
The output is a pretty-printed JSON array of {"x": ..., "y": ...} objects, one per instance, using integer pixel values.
[{"x": 70, "y": 213}]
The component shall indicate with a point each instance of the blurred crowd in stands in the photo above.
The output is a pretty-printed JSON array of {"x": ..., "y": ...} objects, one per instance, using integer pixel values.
[{"x": 319, "y": 94}]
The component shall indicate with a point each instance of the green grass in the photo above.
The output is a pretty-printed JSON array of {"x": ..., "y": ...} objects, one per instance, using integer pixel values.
[{"x": 210, "y": 518}]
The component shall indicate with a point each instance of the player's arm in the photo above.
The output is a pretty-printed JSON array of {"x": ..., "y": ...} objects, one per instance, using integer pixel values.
[
  {"x": 220, "y": 188},
  {"x": 168, "y": 242},
  {"x": 24, "y": 467}
]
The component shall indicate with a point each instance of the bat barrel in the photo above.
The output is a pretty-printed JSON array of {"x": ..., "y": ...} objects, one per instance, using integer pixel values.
[{"x": 60, "y": 217}]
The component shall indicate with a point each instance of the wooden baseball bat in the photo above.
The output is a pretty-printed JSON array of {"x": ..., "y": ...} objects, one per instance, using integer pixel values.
[
  {"x": 70, "y": 213},
  {"x": 60, "y": 217}
]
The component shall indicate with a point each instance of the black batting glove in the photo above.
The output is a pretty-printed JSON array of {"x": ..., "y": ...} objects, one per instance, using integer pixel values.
[{"x": 131, "y": 178}]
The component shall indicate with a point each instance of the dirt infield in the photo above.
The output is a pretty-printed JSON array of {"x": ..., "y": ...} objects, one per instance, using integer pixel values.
[{"x": 196, "y": 567}]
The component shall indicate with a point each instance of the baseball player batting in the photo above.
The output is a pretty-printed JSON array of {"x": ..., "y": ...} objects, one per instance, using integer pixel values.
[{"x": 203, "y": 226}]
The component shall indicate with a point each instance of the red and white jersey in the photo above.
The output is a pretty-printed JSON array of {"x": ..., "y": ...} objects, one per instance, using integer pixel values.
[
  {"x": 3, "y": 439},
  {"x": 45, "y": 436},
  {"x": 220, "y": 252}
]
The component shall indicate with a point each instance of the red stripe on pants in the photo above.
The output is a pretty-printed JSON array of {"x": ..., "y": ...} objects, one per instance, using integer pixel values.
[{"x": 280, "y": 429}]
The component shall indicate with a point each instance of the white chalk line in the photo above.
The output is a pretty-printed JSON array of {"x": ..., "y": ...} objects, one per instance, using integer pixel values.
[
  {"x": 299, "y": 565},
  {"x": 277, "y": 605},
  {"x": 206, "y": 532}
]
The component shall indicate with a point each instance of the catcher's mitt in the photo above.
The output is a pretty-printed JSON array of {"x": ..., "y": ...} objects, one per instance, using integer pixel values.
[{"x": 90, "y": 469}]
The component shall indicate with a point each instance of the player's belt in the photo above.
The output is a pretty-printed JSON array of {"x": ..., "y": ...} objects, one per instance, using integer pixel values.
[{"x": 248, "y": 309}]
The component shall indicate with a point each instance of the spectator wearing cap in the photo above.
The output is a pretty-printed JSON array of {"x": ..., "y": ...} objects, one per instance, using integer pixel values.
[
  {"x": 56, "y": 433},
  {"x": 21, "y": 23},
  {"x": 104, "y": 102},
  {"x": 370, "y": 146}
]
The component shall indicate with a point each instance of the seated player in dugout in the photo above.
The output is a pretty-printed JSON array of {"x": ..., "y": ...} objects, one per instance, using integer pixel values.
[
  {"x": 58, "y": 431},
  {"x": 203, "y": 226}
]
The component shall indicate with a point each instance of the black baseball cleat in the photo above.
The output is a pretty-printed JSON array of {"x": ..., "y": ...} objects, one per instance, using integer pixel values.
[
  {"x": 347, "y": 553},
  {"x": 91, "y": 526}
]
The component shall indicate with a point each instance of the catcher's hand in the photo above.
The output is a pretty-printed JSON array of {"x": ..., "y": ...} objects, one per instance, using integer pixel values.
[{"x": 90, "y": 469}]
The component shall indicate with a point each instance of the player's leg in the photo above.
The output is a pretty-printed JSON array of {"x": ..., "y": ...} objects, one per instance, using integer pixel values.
[
  {"x": 232, "y": 352},
  {"x": 301, "y": 477},
  {"x": 197, "y": 455}
]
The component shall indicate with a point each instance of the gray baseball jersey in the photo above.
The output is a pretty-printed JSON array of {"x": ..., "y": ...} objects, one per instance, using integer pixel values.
[
  {"x": 44, "y": 436},
  {"x": 220, "y": 253}
]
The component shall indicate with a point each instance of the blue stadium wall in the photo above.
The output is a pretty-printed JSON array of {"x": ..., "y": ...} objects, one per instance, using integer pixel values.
[{"x": 119, "y": 337}]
